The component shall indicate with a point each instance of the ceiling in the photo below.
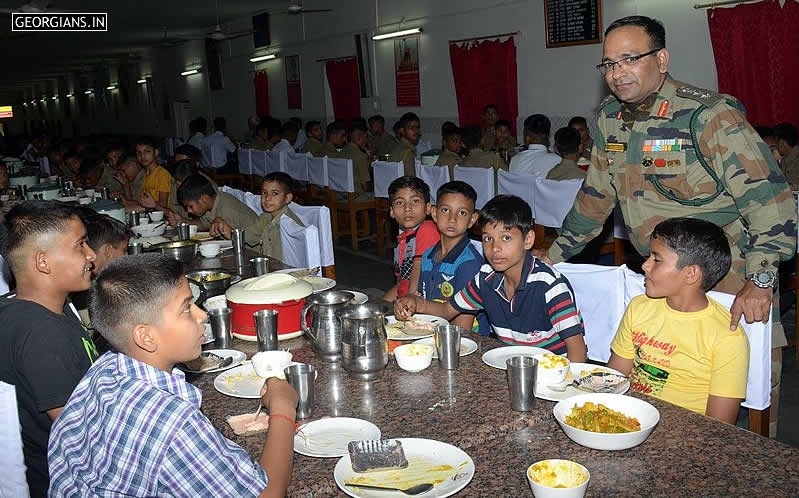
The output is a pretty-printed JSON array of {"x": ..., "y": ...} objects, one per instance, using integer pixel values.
[{"x": 37, "y": 60}]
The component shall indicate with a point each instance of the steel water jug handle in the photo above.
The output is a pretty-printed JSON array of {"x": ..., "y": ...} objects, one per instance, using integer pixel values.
[{"x": 304, "y": 320}]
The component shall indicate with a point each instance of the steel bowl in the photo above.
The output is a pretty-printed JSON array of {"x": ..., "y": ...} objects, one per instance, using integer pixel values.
[
  {"x": 183, "y": 250},
  {"x": 214, "y": 282}
]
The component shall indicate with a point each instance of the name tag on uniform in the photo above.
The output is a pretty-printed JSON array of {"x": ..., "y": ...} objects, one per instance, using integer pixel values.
[
  {"x": 615, "y": 147},
  {"x": 667, "y": 145}
]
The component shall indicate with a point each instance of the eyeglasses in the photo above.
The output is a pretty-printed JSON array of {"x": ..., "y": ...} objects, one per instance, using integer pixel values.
[{"x": 627, "y": 62}]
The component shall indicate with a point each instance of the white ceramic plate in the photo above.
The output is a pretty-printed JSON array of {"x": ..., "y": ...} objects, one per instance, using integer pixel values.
[
  {"x": 575, "y": 369},
  {"x": 237, "y": 356},
  {"x": 423, "y": 456},
  {"x": 241, "y": 382},
  {"x": 497, "y": 357},
  {"x": 319, "y": 284},
  {"x": 468, "y": 346},
  {"x": 328, "y": 437},
  {"x": 398, "y": 334}
]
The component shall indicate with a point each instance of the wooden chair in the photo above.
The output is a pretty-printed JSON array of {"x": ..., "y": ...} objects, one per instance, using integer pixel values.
[{"x": 341, "y": 183}]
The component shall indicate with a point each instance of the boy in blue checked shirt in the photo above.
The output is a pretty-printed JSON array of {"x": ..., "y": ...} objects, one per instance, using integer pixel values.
[
  {"x": 528, "y": 302},
  {"x": 133, "y": 425},
  {"x": 452, "y": 263}
]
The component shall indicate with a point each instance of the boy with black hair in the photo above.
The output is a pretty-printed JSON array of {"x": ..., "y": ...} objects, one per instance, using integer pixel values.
[
  {"x": 476, "y": 156},
  {"x": 44, "y": 349},
  {"x": 568, "y": 145},
  {"x": 107, "y": 237},
  {"x": 130, "y": 175},
  {"x": 527, "y": 302},
  {"x": 356, "y": 149},
  {"x": 135, "y": 410},
  {"x": 261, "y": 140},
  {"x": 410, "y": 204},
  {"x": 581, "y": 125},
  {"x": 289, "y": 137},
  {"x": 113, "y": 153},
  {"x": 314, "y": 143},
  {"x": 336, "y": 138},
  {"x": 405, "y": 150},
  {"x": 505, "y": 143},
  {"x": 535, "y": 159},
  {"x": 450, "y": 155},
  {"x": 448, "y": 266},
  {"x": 674, "y": 342},
  {"x": 276, "y": 195},
  {"x": 380, "y": 141},
  {"x": 787, "y": 140},
  {"x": 218, "y": 211},
  {"x": 157, "y": 180}
]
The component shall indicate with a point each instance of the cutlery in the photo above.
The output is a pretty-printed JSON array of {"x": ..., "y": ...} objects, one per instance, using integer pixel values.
[
  {"x": 584, "y": 384},
  {"x": 413, "y": 490}
]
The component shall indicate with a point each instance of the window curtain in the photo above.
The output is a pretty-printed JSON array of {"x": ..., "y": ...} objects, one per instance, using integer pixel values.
[
  {"x": 342, "y": 77},
  {"x": 485, "y": 73},
  {"x": 261, "y": 82},
  {"x": 755, "y": 50}
]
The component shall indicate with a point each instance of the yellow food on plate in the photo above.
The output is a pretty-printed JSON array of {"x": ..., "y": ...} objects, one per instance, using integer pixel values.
[
  {"x": 599, "y": 418},
  {"x": 418, "y": 350},
  {"x": 586, "y": 373},
  {"x": 553, "y": 361},
  {"x": 557, "y": 474}
]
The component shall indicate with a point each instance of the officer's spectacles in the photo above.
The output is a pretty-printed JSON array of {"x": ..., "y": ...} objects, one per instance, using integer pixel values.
[{"x": 627, "y": 62}]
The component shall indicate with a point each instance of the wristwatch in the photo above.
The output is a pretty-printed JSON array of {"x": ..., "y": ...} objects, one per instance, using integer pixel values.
[{"x": 764, "y": 279}]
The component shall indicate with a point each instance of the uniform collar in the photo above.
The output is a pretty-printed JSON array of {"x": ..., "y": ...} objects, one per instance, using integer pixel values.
[
  {"x": 215, "y": 207},
  {"x": 539, "y": 147},
  {"x": 404, "y": 141},
  {"x": 498, "y": 284},
  {"x": 657, "y": 105},
  {"x": 278, "y": 214},
  {"x": 174, "y": 383},
  {"x": 453, "y": 254}
]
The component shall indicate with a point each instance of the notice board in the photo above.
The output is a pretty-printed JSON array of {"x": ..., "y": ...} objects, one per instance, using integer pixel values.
[{"x": 573, "y": 22}]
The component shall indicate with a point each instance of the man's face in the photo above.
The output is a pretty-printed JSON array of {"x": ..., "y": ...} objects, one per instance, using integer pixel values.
[
  {"x": 361, "y": 140},
  {"x": 634, "y": 82},
  {"x": 783, "y": 148},
  {"x": 274, "y": 197},
  {"x": 580, "y": 127},
  {"x": 316, "y": 132},
  {"x": 490, "y": 116},
  {"x": 663, "y": 277},
  {"x": 337, "y": 138},
  {"x": 376, "y": 127},
  {"x": 409, "y": 208},
  {"x": 180, "y": 333},
  {"x": 106, "y": 253},
  {"x": 773, "y": 144},
  {"x": 453, "y": 143},
  {"x": 71, "y": 259},
  {"x": 112, "y": 157},
  {"x": 505, "y": 248},
  {"x": 454, "y": 214},
  {"x": 412, "y": 131},
  {"x": 199, "y": 207},
  {"x": 502, "y": 133},
  {"x": 131, "y": 170},
  {"x": 291, "y": 137},
  {"x": 73, "y": 163},
  {"x": 146, "y": 155}
]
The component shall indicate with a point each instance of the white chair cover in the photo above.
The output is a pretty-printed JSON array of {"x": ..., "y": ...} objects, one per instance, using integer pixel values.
[
  {"x": 275, "y": 161},
  {"x": 518, "y": 184},
  {"x": 553, "y": 200},
  {"x": 13, "y": 484},
  {"x": 422, "y": 147},
  {"x": 44, "y": 165},
  {"x": 317, "y": 171},
  {"x": 482, "y": 179},
  {"x": 297, "y": 166},
  {"x": 386, "y": 172},
  {"x": 433, "y": 176},
  {"x": 300, "y": 244},
  {"x": 340, "y": 175},
  {"x": 258, "y": 162},
  {"x": 245, "y": 162},
  {"x": 318, "y": 216},
  {"x": 253, "y": 201}
]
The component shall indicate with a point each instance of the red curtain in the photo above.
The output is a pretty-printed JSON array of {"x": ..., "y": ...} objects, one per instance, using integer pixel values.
[
  {"x": 755, "y": 50},
  {"x": 342, "y": 76},
  {"x": 485, "y": 73},
  {"x": 261, "y": 82}
]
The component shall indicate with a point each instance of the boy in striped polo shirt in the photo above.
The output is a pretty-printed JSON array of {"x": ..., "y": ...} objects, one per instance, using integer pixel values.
[{"x": 528, "y": 302}]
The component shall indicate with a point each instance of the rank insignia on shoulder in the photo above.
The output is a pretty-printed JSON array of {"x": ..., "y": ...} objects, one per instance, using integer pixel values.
[
  {"x": 615, "y": 147},
  {"x": 663, "y": 109},
  {"x": 674, "y": 163},
  {"x": 660, "y": 162},
  {"x": 647, "y": 161}
]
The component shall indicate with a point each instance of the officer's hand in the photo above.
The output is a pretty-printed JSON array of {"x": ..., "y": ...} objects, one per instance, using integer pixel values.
[
  {"x": 753, "y": 303},
  {"x": 542, "y": 255}
]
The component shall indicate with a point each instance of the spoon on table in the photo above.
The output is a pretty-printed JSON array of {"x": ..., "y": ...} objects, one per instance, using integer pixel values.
[{"x": 413, "y": 490}]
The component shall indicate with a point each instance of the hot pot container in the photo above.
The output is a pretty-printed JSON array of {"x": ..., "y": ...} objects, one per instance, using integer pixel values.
[{"x": 273, "y": 291}]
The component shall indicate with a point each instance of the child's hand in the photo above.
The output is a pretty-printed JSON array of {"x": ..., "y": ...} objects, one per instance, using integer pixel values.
[
  {"x": 404, "y": 308},
  {"x": 219, "y": 228},
  {"x": 146, "y": 200},
  {"x": 279, "y": 396}
]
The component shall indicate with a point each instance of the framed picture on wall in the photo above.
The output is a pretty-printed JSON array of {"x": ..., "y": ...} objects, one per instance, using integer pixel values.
[
  {"x": 406, "y": 70},
  {"x": 572, "y": 22},
  {"x": 293, "y": 81}
]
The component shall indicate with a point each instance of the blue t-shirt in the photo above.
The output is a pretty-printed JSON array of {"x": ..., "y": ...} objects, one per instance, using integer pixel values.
[{"x": 439, "y": 281}]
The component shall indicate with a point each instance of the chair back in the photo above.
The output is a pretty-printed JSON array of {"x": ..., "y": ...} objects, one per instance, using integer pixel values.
[
  {"x": 258, "y": 162},
  {"x": 12, "y": 461},
  {"x": 386, "y": 172},
  {"x": 317, "y": 171},
  {"x": 318, "y": 216},
  {"x": 300, "y": 245},
  {"x": 297, "y": 166},
  {"x": 482, "y": 179},
  {"x": 434, "y": 177},
  {"x": 245, "y": 162},
  {"x": 253, "y": 201},
  {"x": 275, "y": 161},
  {"x": 518, "y": 184},
  {"x": 553, "y": 200},
  {"x": 340, "y": 175}
]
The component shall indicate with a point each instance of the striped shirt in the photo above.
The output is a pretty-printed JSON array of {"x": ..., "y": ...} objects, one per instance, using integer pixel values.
[
  {"x": 132, "y": 429},
  {"x": 541, "y": 313}
]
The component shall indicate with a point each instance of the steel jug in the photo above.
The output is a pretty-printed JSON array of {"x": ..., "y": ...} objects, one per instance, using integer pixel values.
[
  {"x": 325, "y": 329},
  {"x": 364, "y": 347}
]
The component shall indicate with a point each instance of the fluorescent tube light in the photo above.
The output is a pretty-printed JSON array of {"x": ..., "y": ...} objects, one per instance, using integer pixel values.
[
  {"x": 88, "y": 92},
  {"x": 397, "y": 33},
  {"x": 262, "y": 58},
  {"x": 54, "y": 97},
  {"x": 111, "y": 87},
  {"x": 142, "y": 81},
  {"x": 190, "y": 71}
]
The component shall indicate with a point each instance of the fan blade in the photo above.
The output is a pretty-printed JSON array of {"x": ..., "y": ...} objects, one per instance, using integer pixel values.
[
  {"x": 233, "y": 36},
  {"x": 311, "y": 11}
]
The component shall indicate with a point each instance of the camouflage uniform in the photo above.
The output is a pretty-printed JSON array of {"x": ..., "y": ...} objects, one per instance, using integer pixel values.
[{"x": 644, "y": 158}]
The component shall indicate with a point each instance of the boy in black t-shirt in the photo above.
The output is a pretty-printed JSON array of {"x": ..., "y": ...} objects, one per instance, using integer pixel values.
[{"x": 44, "y": 349}]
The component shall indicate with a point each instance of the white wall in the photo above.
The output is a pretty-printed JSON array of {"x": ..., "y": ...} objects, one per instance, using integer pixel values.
[{"x": 558, "y": 82}]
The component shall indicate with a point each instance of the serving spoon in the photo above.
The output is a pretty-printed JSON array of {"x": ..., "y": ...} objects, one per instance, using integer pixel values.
[{"x": 413, "y": 490}]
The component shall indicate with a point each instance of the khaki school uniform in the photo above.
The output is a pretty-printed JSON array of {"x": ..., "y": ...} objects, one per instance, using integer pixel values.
[
  {"x": 489, "y": 138},
  {"x": 266, "y": 229},
  {"x": 566, "y": 170},
  {"x": 361, "y": 166},
  {"x": 234, "y": 212},
  {"x": 479, "y": 158},
  {"x": 173, "y": 203},
  {"x": 449, "y": 159},
  {"x": 382, "y": 144},
  {"x": 261, "y": 144},
  {"x": 137, "y": 185},
  {"x": 313, "y": 146},
  {"x": 107, "y": 180},
  {"x": 405, "y": 152}
]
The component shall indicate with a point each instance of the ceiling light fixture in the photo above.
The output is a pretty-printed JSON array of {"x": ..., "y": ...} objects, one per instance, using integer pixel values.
[
  {"x": 141, "y": 81},
  {"x": 262, "y": 58},
  {"x": 111, "y": 87},
  {"x": 69, "y": 95},
  {"x": 190, "y": 71},
  {"x": 43, "y": 100},
  {"x": 397, "y": 33},
  {"x": 88, "y": 92},
  {"x": 55, "y": 97}
]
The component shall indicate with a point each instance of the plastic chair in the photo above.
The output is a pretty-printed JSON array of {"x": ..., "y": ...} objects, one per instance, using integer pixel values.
[
  {"x": 300, "y": 245},
  {"x": 11, "y": 459},
  {"x": 482, "y": 179},
  {"x": 518, "y": 184},
  {"x": 434, "y": 177},
  {"x": 319, "y": 216}
]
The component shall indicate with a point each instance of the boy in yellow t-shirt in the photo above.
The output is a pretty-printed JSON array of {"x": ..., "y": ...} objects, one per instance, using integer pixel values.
[{"x": 675, "y": 343}]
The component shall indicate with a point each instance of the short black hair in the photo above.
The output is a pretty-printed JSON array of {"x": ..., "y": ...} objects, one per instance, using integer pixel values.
[
  {"x": 447, "y": 125},
  {"x": 336, "y": 127},
  {"x": 697, "y": 242},
  {"x": 194, "y": 187},
  {"x": 291, "y": 127},
  {"x": 509, "y": 210},
  {"x": 132, "y": 290},
  {"x": 407, "y": 118},
  {"x": 457, "y": 187},
  {"x": 190, "y": 151},
  {"x": 358, "y": 121},
  {"x": 357, "y": 128},
  {"x": 787, "y": 132},
  {"x": 184, "y": 169},
  {"x": 220, "y": 123},
  {"x": 377, "y": 118},
  {"x": 502, "y": 123},
  {"x": 201, "y": 124},
  {"x": 491, "y": 106},
  {"x": 537, "y": 124},
  {"x": 764, "y": 131},
  {"x": 30, "y": 219},
  {"x": 126, "y": 158},
  {"x": 578, "y": 120},
  {"x": 471, "y": 136},
  {"x": 148, "y": 141},
  {"x": 414, "y": 183},
  {"x": 286, "y": 181},
  {"x": 102, "y": 229},
  {"x": 309, "y": 126},
  {"x": 450, "y": 132},
  {"x": 653, "y": 28},
  {"x": 567, "y": 140}
]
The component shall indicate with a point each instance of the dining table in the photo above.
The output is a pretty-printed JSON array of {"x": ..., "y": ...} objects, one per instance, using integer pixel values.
[{"x": 687, "y": 454}]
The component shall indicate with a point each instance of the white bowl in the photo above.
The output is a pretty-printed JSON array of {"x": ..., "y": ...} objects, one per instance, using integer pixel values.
[
  {"x": 149, "y": 229},
  {"x": 541, "y": 491},
  {"x": 414, "y": 357},
  {"x": 89, "y": 192},
  {"x": 552, "y": 369},
  {"x": 271, "y": 363},
  {"x": 210, "y": 249},
  {"x": 85, "y": 200},
  {"x": 156, "y": 216},
  {"x": 647, "y": 415},
  {"x": 71, "y": 198}
]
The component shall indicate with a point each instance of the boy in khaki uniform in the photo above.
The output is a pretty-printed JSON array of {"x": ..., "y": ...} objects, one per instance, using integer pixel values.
[
  {"x": 218, "y": 211},
  {"x": 505, "y": 142},
  {"x": 261, "y": 141},
  {"x": 569, "y": 146},
  {"x": 336, "y": 138},
  {"x": 453, "y": 143},
  {"x": 276, "y": 195},
  {"x": 354, "y": 150},
  {"x": 489, "y": 134},
  {"x": 477, "y": 157},
  {"x": 380, "y": 142},
  {"x": 314, "y": 145},
  {"x": 405, "y": 150}
]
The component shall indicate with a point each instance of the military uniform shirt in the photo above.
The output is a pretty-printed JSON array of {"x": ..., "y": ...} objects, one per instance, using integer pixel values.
[
  {"x": 234, "y": 212},
  {"x": 260, "y": 144},
  {"x": 313, "y": 146},
  {"x": 405, "y": 152},
  {"x": 479, "y": 158},
  {"x": 360, "y": 165},
  {"x": 566, "y": 170},
  {"x": 382, "y": 144},
  {"x": 266, "y": 230},
  {"x": 449, "y": 159}
]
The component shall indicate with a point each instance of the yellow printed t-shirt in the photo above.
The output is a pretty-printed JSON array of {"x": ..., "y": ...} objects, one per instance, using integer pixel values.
[
  {"x": 680, "y": 357},
  {"x": 158, "y": 181}
]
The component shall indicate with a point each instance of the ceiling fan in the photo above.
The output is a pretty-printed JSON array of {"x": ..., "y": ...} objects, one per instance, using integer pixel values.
[
  {"x": 34, "y": 7},
  {"x": 295, "y": 8}
]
